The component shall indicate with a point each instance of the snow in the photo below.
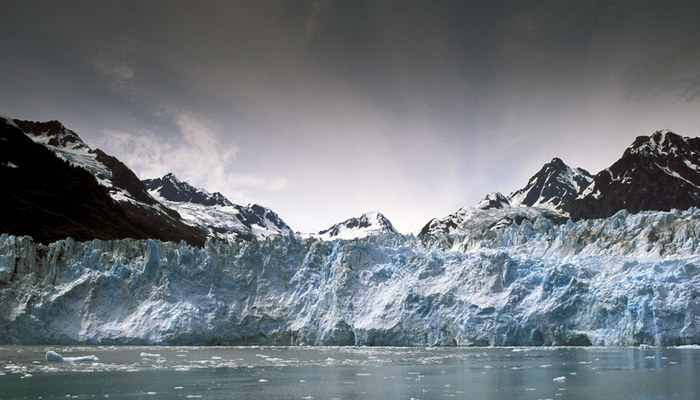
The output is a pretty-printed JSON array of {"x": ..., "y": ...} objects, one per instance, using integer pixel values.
[
  {"x": 81, "y": 155},
  {"x": 221, "y": 222},
  {"x": 368, "y": 224},
  {"x": 630, "y": 279},
  {"x": 8, "y": 120},
  {"x": 10, "y": 165}
]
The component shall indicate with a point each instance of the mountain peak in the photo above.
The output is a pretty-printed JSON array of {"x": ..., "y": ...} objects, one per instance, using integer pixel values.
[
  {"x": 552, "y": 186},
  {"x": 53, "y": 133},
  {"x": 660, "y": 142},
  {"x": 493, "y": 200},
  {"x": 171, "y": 188},
  {"x": 657, "y": 172},
  {"x": 367, "y": 224}
]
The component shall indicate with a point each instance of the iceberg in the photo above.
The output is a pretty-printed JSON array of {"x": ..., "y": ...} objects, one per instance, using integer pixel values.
[
  {"x": 631, "y": 279},
  {"x": 52, "y": 356}
]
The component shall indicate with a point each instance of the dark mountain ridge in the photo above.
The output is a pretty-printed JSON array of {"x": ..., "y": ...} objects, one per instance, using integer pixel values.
[{"x": 657, "y": 172}]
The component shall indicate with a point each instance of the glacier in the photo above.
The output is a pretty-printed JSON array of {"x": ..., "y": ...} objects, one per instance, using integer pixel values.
[{"x": 631, "y": 279}]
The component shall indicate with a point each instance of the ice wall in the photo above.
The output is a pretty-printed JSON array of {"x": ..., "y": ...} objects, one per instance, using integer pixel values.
[{"x": 626, "y": 280}]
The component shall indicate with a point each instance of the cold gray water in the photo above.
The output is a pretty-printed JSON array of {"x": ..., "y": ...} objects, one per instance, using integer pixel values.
[{"x": 350, "y": 373}]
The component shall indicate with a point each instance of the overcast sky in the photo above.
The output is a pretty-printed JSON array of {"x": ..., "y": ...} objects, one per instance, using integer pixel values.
[{"x": 322, "y": 110}]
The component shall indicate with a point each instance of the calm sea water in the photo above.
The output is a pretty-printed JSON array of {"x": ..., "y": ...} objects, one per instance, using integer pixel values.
[{"x": 350, "y": 373}]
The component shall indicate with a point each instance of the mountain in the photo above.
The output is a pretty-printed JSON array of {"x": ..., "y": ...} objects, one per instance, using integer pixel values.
[
  {"x": 368, "y": 224},
  {"x": 657, "y": 172},
  {"x": 172, "y": 189},
  {"x": 545, "y": 195},
  {"x": 492, "y": 201},
  {"x": 603, "y": 282},
  {"x": 487, "y": 216},
  {"x": 49, "y": 198},
  {"x": 120, "y": 183},
  {"x": 552, "y": 187},
  {"x": 214, "y": 213}
]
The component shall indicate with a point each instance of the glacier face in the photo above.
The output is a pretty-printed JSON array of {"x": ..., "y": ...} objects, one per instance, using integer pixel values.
[{"x": 626, "y": 280}]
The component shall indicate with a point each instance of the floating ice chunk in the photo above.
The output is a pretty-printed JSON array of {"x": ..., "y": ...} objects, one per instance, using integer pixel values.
[
  {"x": 149, "y": 355},
  {"x": 559, "y": 379},
  {"x": 52, "y": 356},
  {"x": 262, "y": 380},
  {"x": 689, "y": 346}
]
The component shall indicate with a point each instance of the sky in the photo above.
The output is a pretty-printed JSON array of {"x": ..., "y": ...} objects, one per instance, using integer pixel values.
[{"x": 326, "y": 109}]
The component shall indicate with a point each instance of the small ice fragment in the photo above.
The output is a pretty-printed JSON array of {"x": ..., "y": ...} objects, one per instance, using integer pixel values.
[
  {"x": 178, "y": 388},
  {"x": 150, "y": 393},
  {"x": 52, "y": 356},
  {"x": 559, "y": 379},
  {"x": 149, "y": 355},
  {"x": 216, "y": 358},
  {"x": 194, "y": 396},
  {"x": 262, "y": 380}
]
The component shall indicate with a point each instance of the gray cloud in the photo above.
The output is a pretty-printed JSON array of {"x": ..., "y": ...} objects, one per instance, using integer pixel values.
[{"x": 325, "y": 109}]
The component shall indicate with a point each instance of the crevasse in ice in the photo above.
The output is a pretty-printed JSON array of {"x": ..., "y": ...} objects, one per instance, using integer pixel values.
[{"x": 626, "y": 280}]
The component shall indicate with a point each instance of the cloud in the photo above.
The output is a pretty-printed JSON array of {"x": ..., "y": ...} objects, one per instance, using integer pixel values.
[
  {"x": 120, "y": 75},
  {"x": 196, "y": 154}
]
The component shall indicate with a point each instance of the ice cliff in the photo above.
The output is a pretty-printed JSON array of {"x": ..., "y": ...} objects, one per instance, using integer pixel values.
[{"x": 626, "y": 280}]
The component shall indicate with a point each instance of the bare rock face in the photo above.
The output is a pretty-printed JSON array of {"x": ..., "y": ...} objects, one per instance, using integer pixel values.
[{"x": 657, "y": 172}]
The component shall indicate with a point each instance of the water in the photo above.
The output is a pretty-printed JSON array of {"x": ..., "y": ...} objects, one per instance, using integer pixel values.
[{"x": 350, "y": 373}]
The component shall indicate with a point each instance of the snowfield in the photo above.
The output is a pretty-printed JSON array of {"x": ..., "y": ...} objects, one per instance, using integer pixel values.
[{"x": 626, "y": 280}]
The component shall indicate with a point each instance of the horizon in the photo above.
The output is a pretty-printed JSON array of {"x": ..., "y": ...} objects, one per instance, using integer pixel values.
[{"x": 325, "y": 110}]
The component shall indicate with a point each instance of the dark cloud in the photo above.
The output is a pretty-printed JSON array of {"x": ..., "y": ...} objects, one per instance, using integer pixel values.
[{"x": 313, "y": 98}]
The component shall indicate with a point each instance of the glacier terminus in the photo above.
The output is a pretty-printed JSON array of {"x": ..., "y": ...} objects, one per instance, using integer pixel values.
[{"x": 631, "y": 279}]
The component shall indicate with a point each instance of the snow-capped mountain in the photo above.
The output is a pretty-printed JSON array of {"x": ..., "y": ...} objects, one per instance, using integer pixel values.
[
  {"x": 592, "y": 282},
  {"x": 657, "y": 172},
  {"x": 48, "y": 198},
  {"x": 545, "y": 195},
  {"x": 494, "y": 200},
  {"x": 368, "y": 224},
  {"x": 122, "y": 184},
  {"x": 169, "y": 187},
  {"x": 214, "y": 213},
  {"x": 552, "y": 187},
  {"x": 468, "y": 220}
]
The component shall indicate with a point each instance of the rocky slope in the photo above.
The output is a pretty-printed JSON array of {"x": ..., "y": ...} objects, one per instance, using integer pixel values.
[
  {"x": 552, "y": 187},
  {"x": 367, "y": 224},
  {"x": 657, "y": 172},
  {"x": 121, "y": 184},
  {"x": 214, "y": 213}
]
